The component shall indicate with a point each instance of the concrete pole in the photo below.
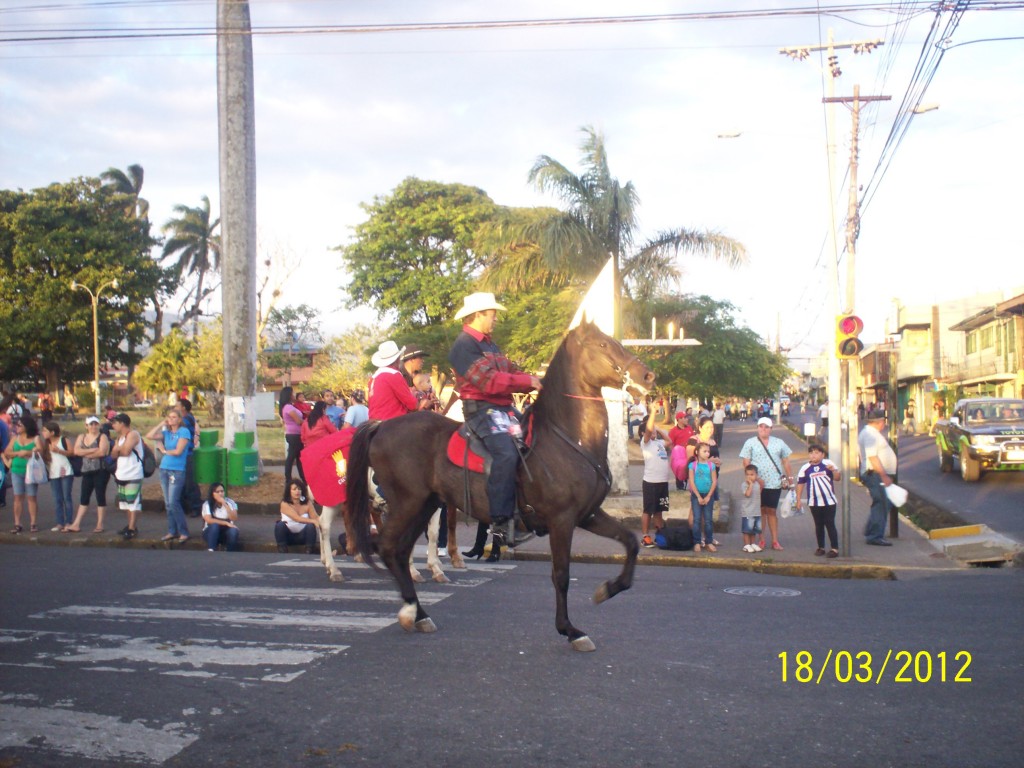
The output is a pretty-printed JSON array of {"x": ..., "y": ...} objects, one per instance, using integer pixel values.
[{"x": 237, "y": 128}]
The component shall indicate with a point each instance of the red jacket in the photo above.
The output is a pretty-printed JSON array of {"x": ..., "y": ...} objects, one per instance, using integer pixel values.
[
  {"x": 323, "y": 428},
  {"x": 389, "y": 395}
]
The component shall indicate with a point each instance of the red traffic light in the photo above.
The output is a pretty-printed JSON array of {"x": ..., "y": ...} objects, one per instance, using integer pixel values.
[
  {"x": 850, "y": 325},
  {"x": 848, "y": 346}
]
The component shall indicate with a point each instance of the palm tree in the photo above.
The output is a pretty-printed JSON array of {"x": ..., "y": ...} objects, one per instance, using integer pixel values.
[
  {"x": 600, "y": 223},
  {"x": 128, "y": 184},
  {"x": 197, "y": 249}
]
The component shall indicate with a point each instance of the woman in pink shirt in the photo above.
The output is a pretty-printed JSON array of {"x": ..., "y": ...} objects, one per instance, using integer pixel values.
[{"x": 293, "y": 420}]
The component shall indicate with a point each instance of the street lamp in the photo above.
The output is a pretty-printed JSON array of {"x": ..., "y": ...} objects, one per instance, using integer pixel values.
[{"x": 95, "y": 332}]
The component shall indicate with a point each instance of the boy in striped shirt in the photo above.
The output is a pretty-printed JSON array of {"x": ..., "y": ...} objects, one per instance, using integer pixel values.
[{"x": 817, "y": 478}]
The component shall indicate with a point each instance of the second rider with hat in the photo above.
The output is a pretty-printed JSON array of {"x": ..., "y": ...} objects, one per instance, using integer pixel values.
[{"x": 486, "y": 381}]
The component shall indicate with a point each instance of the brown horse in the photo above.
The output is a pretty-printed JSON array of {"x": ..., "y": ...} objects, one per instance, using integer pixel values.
[{"x": 562, "y": 482}]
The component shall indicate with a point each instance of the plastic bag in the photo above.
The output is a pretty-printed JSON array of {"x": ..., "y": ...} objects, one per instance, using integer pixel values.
[
  {"x": 787, "y": 505},
  {"x": 35, "y": 470}
]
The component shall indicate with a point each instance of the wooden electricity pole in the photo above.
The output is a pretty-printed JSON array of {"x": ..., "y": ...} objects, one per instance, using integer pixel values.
[{"x": 847, "y": 408}]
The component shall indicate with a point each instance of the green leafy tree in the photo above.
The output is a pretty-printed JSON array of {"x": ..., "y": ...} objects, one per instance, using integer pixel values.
[
  {"x": 732, "y": 359},
  {"x": 343, "y": 362},
  {"x": 290, "y": 331},
  {"x": 600, "y": 222},
  {"x": 413, "y": 258},
  {"x": 195, "y": 248},
  {"x": 50, "y": 237},
  {"x": 167, "y": 366},
  {"x": 205, "y": 368},
  {"x": 128, "y": 184}
]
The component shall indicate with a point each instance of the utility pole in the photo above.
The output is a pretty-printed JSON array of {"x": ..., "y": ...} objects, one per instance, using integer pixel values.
[
  {"x": 847, "y": 408},
  {"x": 237, "y": 133},
  {"x": 839, "y": 436}
]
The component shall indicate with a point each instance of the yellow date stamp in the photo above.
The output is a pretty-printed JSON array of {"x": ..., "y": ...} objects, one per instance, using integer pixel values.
[{"x": 901, "y": 666}]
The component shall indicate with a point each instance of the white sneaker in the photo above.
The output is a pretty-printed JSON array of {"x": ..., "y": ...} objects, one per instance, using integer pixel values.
[
  {"x": 755, "y": 548},
  {"x": 748, "y": 548}
]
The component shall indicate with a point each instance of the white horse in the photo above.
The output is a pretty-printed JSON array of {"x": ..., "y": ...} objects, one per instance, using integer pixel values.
[{"x": 328, "y": 514}]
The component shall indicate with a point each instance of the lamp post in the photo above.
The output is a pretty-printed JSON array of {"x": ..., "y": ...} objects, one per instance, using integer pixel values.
[{"x": 95, "y": 333}]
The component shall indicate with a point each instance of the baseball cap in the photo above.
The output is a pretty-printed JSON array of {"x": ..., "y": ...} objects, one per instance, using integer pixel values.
[
  {"x": 680, "y": 415},
  {"x": 92, "y": 420},
  {"x": 764, "y": 421}
]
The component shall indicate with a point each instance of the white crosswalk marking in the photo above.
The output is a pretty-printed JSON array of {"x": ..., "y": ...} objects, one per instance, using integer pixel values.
[
  {"x": 349, "y": 621},
  {"x": 90, "y": 736},
  {"x": 325, "y": 595},
  {"x": 269, "y": 613}
]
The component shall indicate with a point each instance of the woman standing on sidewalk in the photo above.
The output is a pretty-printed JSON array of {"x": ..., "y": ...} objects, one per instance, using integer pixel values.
[
  {"x": 292, "y": 419},
  {"x": 772, "y": 458},
  {"x": 26, "y": 441},
  {"x": 93, "y": 447},
  {"x": 62, "y": 475},
  {"x": 173, "y": 445}
]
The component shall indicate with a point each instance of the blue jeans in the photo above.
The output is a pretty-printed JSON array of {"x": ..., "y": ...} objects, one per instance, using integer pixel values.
[
  {"x": 501, "y": 484},
  {"x": 875, "y": 528},
  {"x": 634, "y": 423},
  {"x": 172, "y": 483},
  {"x": 703, "y": 521},
  {"x": 285, "y": 537},
  {"x": 63, "y": 506},
  {"x": 220, "y": 534}
]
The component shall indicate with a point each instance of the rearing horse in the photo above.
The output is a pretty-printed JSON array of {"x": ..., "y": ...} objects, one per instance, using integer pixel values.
[{"x": 564, "y": 481}]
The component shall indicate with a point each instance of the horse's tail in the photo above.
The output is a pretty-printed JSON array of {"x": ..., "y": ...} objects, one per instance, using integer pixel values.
[{"x": 358, "y": 488}]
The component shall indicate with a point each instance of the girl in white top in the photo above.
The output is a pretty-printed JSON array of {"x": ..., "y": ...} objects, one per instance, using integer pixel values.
[
  {"x": 220, "y": 517},
  {"x": 299, "y": 521},
  {"x": 62, "y": 475}
]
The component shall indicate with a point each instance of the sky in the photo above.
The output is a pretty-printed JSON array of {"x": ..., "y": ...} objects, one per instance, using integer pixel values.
[{"x": 713, "y": 126}]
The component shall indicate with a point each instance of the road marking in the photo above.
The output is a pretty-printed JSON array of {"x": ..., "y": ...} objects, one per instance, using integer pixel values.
[
  {"x": 98, "y": 652},
  {"x": 336, "y": 594},
  {"x": 472, "y": 565},
  {"x": 348, "y": 621},
  {"x": 102, "y": 738}
]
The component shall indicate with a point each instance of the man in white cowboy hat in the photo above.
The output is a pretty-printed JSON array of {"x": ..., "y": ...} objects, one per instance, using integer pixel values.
[
  {"x": 389, "y": 396},
  {"x": 486, "y": 380}
]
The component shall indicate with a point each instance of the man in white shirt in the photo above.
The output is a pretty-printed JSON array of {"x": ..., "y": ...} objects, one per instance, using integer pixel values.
[
  {"x": 718, "y": 419},
  {"x": 877, "y": 466},
  {"x": 637, "y": 416}
]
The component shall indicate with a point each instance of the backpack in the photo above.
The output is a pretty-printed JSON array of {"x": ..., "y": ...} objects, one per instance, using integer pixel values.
[
  {"x": 676, "y": 538},
  {"x": 148, "y": 459}
]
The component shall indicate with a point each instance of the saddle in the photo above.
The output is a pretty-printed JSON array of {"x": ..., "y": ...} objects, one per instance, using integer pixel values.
[{"x": 467, "y": 450}]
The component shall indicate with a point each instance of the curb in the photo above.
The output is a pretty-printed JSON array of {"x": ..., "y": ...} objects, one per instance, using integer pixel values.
[
  {"x": 98, "y": 541},
  {"x": 803, "y": 570}
]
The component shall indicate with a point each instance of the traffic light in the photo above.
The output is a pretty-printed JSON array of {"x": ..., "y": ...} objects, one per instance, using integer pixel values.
[{"x": 848, "y": 346}]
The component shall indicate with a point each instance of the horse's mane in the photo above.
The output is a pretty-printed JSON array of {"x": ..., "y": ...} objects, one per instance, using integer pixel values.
[{"x": 559, "y": 380}]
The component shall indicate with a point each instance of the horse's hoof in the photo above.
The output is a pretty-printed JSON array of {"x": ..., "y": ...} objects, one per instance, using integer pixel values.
[
  {"x": 602, "y": 594},
  {"x": 583, "y": 644},
  {"x": 458, "y": 563},
  {"x": 417, "y": 577},
  {"x": 336, "y": 577},
  {"x": 407, "y": 617},
  {"x": 440, "y": 578},
  {"x": 426, "y": 625},
  {"x": 358, "y": 558}
]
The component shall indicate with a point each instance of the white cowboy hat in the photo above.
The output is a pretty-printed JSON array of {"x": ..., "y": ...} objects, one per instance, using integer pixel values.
[
  {"x": 477, "y": 302},
  {"x": 386, "y": 354}
]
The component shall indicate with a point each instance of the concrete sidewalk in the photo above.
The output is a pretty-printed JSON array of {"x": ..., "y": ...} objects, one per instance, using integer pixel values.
[{"x": 911, "y": 551}]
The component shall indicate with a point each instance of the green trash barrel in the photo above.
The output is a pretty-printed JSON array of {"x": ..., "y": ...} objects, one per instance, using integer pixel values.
[
  {"x": 209, "y": 458},
  {"x": 243, "y": 460}
]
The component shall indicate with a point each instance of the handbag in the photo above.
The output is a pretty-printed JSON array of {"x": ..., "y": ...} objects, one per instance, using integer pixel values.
[
  {"x": 787, "y": 505},
  {"x": 785, "y": 480},
  {"x": 35, "y": 470}
]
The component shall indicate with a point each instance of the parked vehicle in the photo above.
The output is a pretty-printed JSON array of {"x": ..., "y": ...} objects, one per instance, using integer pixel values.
[{"x": 984, "y": 434}]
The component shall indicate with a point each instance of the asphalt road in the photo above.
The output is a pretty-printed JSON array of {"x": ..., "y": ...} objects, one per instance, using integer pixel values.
[
  {"x": 997, "y": 500},
  {"x": 181, "y": 658}
]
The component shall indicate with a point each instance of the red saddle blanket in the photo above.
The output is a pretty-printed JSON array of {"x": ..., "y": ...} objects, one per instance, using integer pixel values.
[
  {"x": 473, "y": 461},
  {"x": 457, "y": 455},
  {"x": 325, "y": 465}
]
